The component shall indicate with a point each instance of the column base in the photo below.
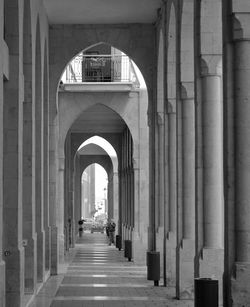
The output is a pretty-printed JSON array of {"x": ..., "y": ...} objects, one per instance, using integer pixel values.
[
  {"x": 159, "y": 246},
  {"x": 2, "y": 283},
  {"x": 30, "y": 266},
  {"x": 185, "y": 278},
  {"x": 212, "y": 266},
  {"x": 40, "y": 257},
  {"x": 240, "y": 285},
  {"x": 47, "y": 248},
  {"x": 73, "y": 243},
  {"x": 139, "y": 250},
  {"x": 54, "y": 251},
  {"x": 171, "y": 259},
  {"x": 61, "y": 246},
  {"x": 14, "y": 277}
]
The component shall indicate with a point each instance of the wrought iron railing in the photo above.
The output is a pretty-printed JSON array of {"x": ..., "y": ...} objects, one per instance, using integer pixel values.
[{"x": 101, "y": 68}]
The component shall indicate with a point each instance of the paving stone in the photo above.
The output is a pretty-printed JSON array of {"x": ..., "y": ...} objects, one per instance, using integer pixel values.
[{"x": 98, "y": 275}]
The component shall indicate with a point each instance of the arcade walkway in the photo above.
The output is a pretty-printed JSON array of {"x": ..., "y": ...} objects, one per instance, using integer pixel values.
[{"x": 98, "y": 275}]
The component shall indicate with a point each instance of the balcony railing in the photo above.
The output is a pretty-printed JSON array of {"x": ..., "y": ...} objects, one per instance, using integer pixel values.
[{"x": 101, "y": 68}]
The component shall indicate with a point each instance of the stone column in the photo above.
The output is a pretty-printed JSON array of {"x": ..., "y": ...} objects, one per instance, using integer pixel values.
[
  {"x": 126, "y": 203},
  {"x": 60, "y": 210},
  {"x": 160, "y": 188},
  {"x": 212, "y": 124},
  {"x": 152, "y": 166},
  {"x": 172, "y": 181},
  {"x": 138, "y": 244},
  {"x": 13, "y": 251},
  {"x": 212, "y": 163},
  {"x": 187, "y": 248},
  {"x": 115, "y": 196},
  {"x": 12, "y": 194},
  {"x": 108, "y": 197},
  {"x": 240, "y": 282},
  {"x": 47, "y": 229},
  {"x": 39, "y": 172},
  {"x": 76, "y": 205},
  {"x": 2, "y": 58},
  {"x": 132, "y": 190},
  {"x": 120, "y": 204},
  {"x": 53, "y": 192},
  {"x": 78, "y": 212},
  {"x": 29, "y": 234}
]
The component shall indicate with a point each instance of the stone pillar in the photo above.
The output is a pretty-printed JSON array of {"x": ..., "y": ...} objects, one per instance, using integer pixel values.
[
  {"x": 2, "y": 263},
  {"x": 138, "y": 244},
  {"x": 78, "y": 212},
  {"x": 212, "y": 152},
  {"x": 53, "y": 192},
  {"x": 126, "y": 203},
  {"x": 47, "y": 229},
  {"x": 29, "y": 234},
  {"x": 109, "y": 200},
  {"x": 77, "y": 199},
  {"x": 240, "y": 281},
  {"x": 172, "y": 181},
  {"x": 115, "y": 196},
  {"x": 160, "y": 188},
  {"x": 120, "y": 232},
  {"x": 13, "y": 250},
  {"x": 60, "y": 208},
  {"x": 211, "y": 263},
  {"x": 67, "y": 174},
  {"x": 39, "y": 172},
  {"x": 152, "y": 165},
  {"x": 187, "y": 248}
]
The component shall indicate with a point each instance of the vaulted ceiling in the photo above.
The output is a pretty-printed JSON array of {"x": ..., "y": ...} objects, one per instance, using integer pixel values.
[
  {"x": 101, "y": 11},
  {"x": 99, "y": 119}
]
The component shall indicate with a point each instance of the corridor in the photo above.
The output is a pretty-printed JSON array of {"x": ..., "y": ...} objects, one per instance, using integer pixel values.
[{"x": 98, "y": 275}]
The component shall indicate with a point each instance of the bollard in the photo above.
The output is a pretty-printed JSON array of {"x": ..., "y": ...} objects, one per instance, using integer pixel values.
[
  {"x": 118, "y": 242},
  {"x": 153, "y": 265},
  {"x": 206, "y": 292},
  {"x": 128, "y": 249}
]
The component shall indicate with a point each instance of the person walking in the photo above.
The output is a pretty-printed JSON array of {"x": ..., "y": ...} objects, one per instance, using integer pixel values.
[{"x": 111, "y": 232}]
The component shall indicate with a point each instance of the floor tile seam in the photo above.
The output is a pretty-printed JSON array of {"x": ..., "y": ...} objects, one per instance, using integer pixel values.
[
  {"x": 105, "y": 276},
  {"x": 109, "y": 298},
  {"x": 119, "y": 267},
  {"x": 105, "y": 267},
  {"x": 98, "y": 285}
]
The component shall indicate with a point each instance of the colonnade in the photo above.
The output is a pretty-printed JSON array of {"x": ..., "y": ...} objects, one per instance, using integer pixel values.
[
  {"x": 188, "y": 140},
  {"x": 126, "y": 194},
  {"x": 197, "y": 76},
  {"x": 237, "y": 147}
]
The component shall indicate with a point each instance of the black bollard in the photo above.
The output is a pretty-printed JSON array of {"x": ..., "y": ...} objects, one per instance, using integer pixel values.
[
  {"x": 128, "y": 249},
  {"x": 206, "y": 292},
  {"x": 153, "y": 265},
  {"x": 118, "y": 242}
]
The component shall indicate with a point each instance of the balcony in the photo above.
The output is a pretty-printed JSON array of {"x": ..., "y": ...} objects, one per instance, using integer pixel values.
[{"x": 100, "y": 72}]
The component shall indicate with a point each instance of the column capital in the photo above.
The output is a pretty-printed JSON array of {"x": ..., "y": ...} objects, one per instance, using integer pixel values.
[
  {"x": 187, "y": 90},
  {"x": 211, "y": 64},
  {"x": 160, "y": 118},
  {"x": 241, "y": 26},
  {"x": 171, "y": 105},
  {"x": 135, "y": 163}
]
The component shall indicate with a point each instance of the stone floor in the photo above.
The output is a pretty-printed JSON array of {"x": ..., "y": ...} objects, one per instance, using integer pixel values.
[{"x": 98, "y": 275}]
